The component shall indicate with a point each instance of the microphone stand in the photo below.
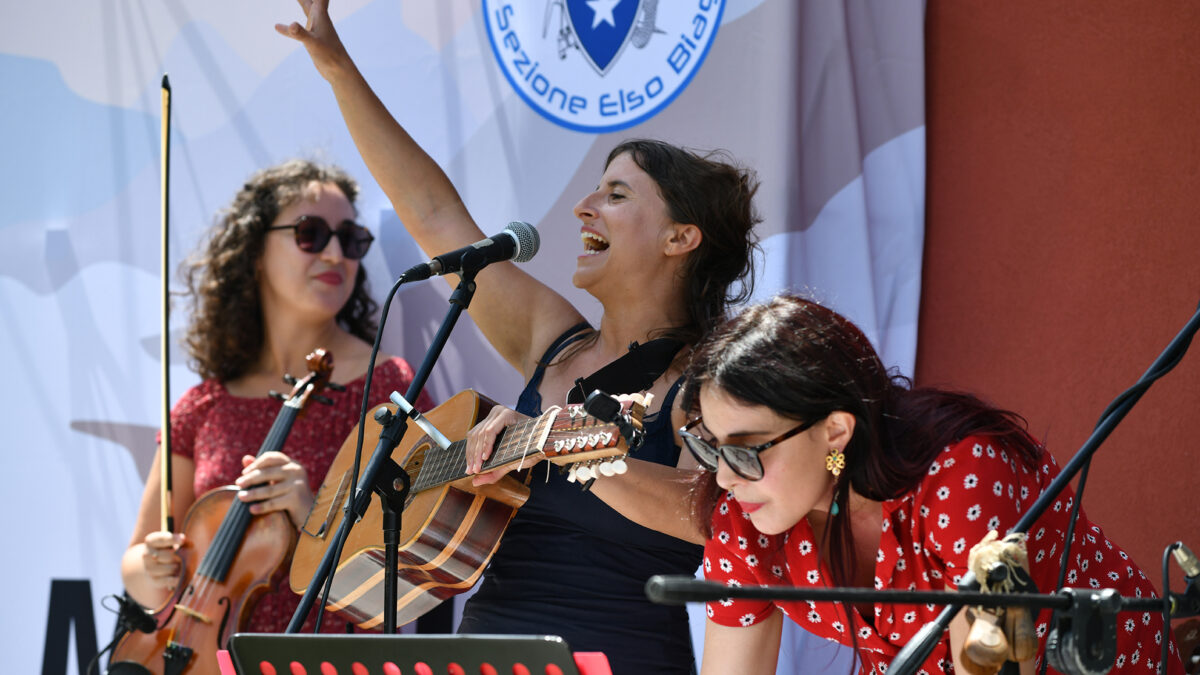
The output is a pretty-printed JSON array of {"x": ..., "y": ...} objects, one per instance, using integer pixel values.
[
  {"x": 679, "y": 589},
  {"x": 383, "y": 476},
  {"x": 913, "y": 654},
  {"x": 1086, "y": 632}
]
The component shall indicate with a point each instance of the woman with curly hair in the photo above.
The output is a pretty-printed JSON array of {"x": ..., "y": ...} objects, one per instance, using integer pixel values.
[{"x": 280, "y": 276}]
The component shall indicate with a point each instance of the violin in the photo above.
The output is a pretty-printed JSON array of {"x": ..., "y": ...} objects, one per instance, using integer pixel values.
[{"x": 229, "y": 559}]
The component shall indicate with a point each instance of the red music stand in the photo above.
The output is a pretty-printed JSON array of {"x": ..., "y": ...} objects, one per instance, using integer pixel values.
[{"x": 276, "y": 654}]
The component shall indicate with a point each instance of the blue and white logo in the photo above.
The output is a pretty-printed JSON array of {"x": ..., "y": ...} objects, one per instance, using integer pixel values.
[{"x": 600, "y": 65}]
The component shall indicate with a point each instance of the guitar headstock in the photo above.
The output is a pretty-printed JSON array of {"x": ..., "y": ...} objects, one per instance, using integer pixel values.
[{"x": 592, "y": 447}]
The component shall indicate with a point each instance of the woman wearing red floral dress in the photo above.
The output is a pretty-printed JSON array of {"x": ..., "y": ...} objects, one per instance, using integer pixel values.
[
  {"x": 794, "y": 390},
  {"x": 280, "y": 277}
]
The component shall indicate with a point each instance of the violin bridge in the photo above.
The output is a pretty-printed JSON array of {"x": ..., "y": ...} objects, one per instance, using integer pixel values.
[{"x": 194, "y": 614}]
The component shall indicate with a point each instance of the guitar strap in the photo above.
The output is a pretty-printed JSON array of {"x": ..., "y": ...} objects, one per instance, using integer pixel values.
[{"x": 636, "y": 371}]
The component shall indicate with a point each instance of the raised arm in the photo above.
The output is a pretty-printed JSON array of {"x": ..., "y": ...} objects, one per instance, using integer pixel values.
[{"x": 518, "y": 314}]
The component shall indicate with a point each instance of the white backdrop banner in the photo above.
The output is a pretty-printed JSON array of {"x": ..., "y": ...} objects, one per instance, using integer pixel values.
[{"x": 520, "y": 101}]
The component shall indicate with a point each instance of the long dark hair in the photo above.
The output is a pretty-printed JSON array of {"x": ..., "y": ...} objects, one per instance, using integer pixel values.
[
  {"x": 805, "y": 361},
  {"x": 225, "y": 333}
]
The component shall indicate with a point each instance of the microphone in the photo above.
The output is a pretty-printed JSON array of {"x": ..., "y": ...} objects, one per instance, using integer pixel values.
[
  {"x": 676, "y": 590},
  {"x": 1188, "y": 602},
  {"x": 518, "y": 242},
  {"x": 132, "y": 617},
  {"x": 1187, "y": 561}
]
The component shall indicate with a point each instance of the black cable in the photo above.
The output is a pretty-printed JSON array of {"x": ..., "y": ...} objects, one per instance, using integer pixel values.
[
  {"x": 1133, "y": 392},
  {"x": 124, "y": 626},
  {"x": 362, "y": 430},
  {"x": 1070, "y": 536},
  {"x": 91, "y": 667}
]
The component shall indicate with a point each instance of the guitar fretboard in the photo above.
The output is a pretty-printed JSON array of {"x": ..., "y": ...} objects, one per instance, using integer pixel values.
[{"x": 523, "y": 439}]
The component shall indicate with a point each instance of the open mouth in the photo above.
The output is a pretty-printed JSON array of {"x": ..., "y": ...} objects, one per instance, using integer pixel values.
[{"x": 593, "y": 243}]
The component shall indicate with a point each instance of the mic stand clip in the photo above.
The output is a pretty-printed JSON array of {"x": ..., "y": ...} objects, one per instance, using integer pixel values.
[{"x": 1083, "y": 640}]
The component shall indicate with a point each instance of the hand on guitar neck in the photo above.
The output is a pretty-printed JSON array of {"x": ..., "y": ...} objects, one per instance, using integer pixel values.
[{"x": 481, "y": 439}]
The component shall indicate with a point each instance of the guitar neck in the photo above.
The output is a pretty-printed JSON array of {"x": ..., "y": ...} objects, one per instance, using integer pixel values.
[
  {"x": 523, "y": 440},
  {"x": 563, "y": 435}
]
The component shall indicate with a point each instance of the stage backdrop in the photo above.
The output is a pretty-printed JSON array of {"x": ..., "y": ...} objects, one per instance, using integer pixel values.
[
  {"x": 826, "y": 100},
  {"x": 1063, "y": 239}
]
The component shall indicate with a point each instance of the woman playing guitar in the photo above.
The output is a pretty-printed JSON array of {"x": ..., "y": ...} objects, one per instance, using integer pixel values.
[
  {"x": 280, "y": 276},
  {"x": 665, "y": 236}
]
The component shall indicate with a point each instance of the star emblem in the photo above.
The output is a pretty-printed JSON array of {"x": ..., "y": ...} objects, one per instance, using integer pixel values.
[{"x": 603, "y": 12}]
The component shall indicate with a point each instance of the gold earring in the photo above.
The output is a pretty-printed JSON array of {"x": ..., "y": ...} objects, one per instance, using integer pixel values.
[{"x": 835, "y": 461}]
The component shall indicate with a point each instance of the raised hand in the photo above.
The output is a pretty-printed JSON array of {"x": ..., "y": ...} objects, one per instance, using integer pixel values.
[{"x": 319, "y": 38}]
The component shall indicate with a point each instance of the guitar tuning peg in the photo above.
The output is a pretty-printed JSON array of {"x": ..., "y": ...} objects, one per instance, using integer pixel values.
[
  {"x": 335, "y": 386},
  {"x": 619, "y": 466},
  {"x": 322, "y": 399},
  {"x": 287, "y": 377},
  {"x": 276, "y": 395},
  {"x": 606, "y": 469}
]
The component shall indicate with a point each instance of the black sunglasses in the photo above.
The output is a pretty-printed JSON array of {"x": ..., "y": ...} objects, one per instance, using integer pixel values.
[
  {"x": 313, "y": 234},
  {"x": 743, "y": 460}
]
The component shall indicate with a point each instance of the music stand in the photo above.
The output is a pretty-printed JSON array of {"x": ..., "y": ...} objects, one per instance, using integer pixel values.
[{"x": 538, "y": 653}]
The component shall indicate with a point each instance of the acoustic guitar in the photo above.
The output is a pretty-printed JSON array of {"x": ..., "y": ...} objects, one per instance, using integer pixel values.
[{"x": 449, "y": 528}]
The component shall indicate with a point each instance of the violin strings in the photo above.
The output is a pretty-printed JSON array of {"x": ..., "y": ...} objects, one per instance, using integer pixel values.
[{"x": 215, "y": 563}]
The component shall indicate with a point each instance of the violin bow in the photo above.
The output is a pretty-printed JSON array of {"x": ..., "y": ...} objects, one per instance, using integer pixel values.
[{"x": 168, "y": 519}]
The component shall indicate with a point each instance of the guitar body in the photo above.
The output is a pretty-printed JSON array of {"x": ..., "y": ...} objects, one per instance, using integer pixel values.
[
  {"x": 449, "y": 529},
  {"x": 218, "y": 611},
  {"x": 448, "y": 532}
]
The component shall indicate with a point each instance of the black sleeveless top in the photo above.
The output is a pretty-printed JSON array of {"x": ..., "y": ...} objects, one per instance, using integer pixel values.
[{"x": 570, "y": 565}]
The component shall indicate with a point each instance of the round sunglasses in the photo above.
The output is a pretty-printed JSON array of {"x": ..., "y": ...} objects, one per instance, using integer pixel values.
[
  {"x": 313, "y": 234},
  {"x": 743, "y": 460}
]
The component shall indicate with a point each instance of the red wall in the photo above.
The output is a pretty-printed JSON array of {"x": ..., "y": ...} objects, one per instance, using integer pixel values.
[{"x": 1063, "y": 244}]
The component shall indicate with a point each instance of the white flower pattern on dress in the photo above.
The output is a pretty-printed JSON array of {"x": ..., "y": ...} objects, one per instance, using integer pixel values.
[{"x": 924, "y": 542}]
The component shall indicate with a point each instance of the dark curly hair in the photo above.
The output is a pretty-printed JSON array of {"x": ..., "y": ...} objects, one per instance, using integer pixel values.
[
  {"x": 716, "y": 195},
  {"x": 225, "y": 333}
]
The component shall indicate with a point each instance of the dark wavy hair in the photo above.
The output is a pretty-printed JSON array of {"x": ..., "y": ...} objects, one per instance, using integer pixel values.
[
  {"x": 805, "y": 361},
  {"x": 716, "y": 195},
  {"x": 225, "y": 334}
]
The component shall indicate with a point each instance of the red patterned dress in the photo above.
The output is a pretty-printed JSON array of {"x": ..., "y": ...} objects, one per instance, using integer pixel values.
[
  {"x": 215, "y": 429},
  {"x": 971, "y": 487}
]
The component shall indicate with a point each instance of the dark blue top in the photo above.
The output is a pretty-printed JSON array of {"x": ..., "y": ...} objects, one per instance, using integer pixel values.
[{"x": 570, "y": 565}]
